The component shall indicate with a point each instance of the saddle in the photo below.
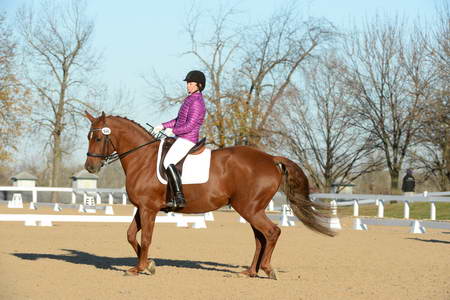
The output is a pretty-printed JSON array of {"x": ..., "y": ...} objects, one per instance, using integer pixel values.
[{"x": 168, "y": 142}]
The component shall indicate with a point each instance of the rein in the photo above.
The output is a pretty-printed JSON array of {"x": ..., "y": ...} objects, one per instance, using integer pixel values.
[{"x": 110, "y": 158}]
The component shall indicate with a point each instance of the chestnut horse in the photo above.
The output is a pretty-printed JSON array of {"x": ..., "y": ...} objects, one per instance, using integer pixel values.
[{"x": 241, "y": 176}]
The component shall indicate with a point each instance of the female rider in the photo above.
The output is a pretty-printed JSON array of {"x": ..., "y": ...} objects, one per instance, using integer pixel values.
[{"x": 186, "y": 128}]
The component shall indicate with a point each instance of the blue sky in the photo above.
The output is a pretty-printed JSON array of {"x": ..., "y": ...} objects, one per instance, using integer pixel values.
[{"x": 137, "y": 36}]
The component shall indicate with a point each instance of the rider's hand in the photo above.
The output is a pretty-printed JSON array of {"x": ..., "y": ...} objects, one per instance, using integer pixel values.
[
  {"x": 169, "y": 132},
  {"x": 157, "y": 129}
]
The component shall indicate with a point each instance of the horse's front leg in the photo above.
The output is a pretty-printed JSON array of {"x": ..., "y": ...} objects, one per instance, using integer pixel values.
[
  {"x": 134, "y": 228},
  {"x": 147, "y": 222}
]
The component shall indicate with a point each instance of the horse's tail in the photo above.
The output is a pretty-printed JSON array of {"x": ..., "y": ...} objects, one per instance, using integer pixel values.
[{"x": 313, "y": 215}]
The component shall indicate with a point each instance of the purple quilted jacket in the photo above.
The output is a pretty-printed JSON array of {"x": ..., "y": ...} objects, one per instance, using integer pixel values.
[{"x": 190, "y": 118}]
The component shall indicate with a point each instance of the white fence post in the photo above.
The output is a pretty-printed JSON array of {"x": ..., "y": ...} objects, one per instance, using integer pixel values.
[
  {"x": 110, "y": 199},
  {"x": 406, "y": 210},
  {"x": 124, "y": 199},
  {"x": 34, "y": 193},
  {"x": 433, "y": 211},
  {"x": 355, "y": 208},
  {"x": 98, "y": 198},
  {"x": 334, "y": 220},
  {"x": 74, "y": 198},
  {"x": 333, "y": 207},
  {"x": 380, "y": 208}
]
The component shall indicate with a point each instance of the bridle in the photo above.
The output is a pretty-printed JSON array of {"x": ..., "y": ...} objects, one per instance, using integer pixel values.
[{"x": 110, "y": 158}]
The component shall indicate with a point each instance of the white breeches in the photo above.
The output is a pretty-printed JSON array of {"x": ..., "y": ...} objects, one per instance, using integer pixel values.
[{"x": 178, "y": 150}]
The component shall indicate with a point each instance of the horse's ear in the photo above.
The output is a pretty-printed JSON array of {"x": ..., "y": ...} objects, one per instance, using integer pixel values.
[
  {"x": 102, "y": 117},
  {"x": 89, "y": 116}
]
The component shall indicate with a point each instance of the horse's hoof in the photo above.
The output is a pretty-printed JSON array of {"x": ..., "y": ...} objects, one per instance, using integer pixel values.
[
  {"x": 151, "y": 267},
  {"x": 246, "y": 274},
  {"x": 273, "y": 274},
  {"x": 131, "y": 273}
]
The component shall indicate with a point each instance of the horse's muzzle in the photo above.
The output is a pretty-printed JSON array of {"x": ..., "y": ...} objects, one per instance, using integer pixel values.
[{"x": 92, "y": 168}]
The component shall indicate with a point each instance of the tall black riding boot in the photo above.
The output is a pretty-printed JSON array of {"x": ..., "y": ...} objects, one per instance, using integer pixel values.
[{"x": 177, "y": 199}]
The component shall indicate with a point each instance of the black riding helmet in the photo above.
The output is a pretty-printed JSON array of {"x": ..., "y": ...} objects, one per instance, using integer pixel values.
[{"x": 196, "y": 76}]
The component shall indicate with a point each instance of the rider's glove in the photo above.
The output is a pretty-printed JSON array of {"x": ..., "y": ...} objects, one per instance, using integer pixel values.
[
  {"x": 157, "y": 129},
  {"x": 169, "y": 132}
]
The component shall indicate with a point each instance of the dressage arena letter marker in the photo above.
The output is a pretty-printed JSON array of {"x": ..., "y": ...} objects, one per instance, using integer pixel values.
[
  {"x": 81, "y": 209},
  {"x": 57, "y": 207},
  {"x": 417, "y": 228},
  {"x": 358, "y": 225}
]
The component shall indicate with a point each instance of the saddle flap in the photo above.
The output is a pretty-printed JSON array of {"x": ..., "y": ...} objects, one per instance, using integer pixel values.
[
  {"x": 168, "y": 142},
  {"x": 197, "y": 159}
]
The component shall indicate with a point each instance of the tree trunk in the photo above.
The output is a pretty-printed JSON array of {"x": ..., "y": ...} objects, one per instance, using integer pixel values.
[
  {"x": 395, "y": 190},
  {"x": 56, "y": 164},
  {"x": 446, "y": 156}
]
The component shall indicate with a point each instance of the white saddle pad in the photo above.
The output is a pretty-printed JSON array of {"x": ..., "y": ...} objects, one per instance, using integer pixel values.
[{"x": 195, "y": 167}]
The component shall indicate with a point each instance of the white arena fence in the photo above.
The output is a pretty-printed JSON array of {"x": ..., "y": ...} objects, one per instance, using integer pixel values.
[
  {"x": 94, "y": 199},
  {"x": 355, "y": 200},
  {"x": 180, "y": 220},
  {"x": 96, "y": 196}
]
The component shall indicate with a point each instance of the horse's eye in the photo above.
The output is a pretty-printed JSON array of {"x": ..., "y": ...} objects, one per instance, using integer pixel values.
[{"x": 98, "y": 139}]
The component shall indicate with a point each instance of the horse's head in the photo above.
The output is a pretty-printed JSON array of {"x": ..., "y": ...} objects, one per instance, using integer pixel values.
[{"x": 100, "y": 144}]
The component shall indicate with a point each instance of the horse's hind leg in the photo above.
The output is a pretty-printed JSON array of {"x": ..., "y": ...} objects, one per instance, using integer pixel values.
[
  {"x": 260, "y": 240},
  {"x": 271, "y": 232}
]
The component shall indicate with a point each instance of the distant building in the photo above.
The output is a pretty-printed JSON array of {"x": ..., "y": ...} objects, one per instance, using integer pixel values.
[
  {"x": 24, "y": 179},
  {"x": 84, "y": 180}
]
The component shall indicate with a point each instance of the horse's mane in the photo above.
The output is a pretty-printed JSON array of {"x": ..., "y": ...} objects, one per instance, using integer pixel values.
[{"x": 134, "y": 122}]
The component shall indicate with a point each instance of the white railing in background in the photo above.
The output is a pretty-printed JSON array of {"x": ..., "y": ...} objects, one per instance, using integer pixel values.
[
  {"x": 356, "y": 200},
  {"x": 97, "y": 192}
]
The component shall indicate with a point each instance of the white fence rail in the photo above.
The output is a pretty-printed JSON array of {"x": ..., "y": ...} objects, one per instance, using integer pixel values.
[
  {"x": 47, "y": 220},
  {"x": 356, "y": 200},
  {"x": 96, "y": 193}
]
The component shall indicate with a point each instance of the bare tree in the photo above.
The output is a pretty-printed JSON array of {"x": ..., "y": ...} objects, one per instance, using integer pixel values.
[
  {"x": 433, "y": 152},
  {"x": 249, "y": 68},
  {"x": 60, "y": 63},
  {"x": 278, "y": 48},
  {"x": 13, "y": 95},
  {"x": 319, "y": 129},
  {"x": 385, "y": 79}
]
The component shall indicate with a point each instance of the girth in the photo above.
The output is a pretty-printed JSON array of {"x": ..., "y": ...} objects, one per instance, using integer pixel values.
[{"x": 168, "y": 142}]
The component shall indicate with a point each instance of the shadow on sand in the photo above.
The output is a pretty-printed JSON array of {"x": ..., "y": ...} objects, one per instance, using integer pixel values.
[
  {"x": 430, "y": 241},
  {"x": 112, "y": 263}
]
